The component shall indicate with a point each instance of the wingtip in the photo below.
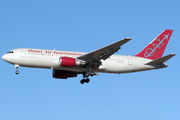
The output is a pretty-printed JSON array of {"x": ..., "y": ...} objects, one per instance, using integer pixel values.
[
  {"x": 127, "y": 38},
  {"x": 173, "y": 54}
]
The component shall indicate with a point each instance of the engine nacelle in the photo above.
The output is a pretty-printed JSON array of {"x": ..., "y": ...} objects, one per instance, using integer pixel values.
[
  {"x": 61, "y": 74},
  {"x": 70, "y": 62}
]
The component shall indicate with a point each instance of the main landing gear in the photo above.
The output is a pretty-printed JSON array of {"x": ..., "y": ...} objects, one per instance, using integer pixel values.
[
  {"x": 85, "y": 80},
  {"x": 16, "y": 67},
  {"x": 86, "y": 75}
]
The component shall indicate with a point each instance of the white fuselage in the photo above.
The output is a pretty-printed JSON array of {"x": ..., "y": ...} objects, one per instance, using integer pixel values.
[{"x": 39, "y": 58}]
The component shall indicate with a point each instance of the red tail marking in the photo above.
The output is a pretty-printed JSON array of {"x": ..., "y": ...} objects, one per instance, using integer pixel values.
[{"x": 156, "y": 48}]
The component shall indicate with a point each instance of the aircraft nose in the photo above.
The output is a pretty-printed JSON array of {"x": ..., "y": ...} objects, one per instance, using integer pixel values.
[{"x": 5, "y": 57}]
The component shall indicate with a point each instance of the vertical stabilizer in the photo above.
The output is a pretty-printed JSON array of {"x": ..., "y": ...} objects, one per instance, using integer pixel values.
[{"x": 156, "y": 48}]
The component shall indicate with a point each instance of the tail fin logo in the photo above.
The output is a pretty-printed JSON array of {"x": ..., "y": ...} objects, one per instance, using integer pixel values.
[
  {"x": 150, "y": 51},
  {"x": 156, "y": 48}
]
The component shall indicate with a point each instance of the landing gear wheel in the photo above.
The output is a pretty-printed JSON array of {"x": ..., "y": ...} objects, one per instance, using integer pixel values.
[
  {"x": 87, "y": 74},
  {"x": 82, "y": 81},
  {"x": 17, "y": 72},
  {"x": 92, "y": 73},
  {"x": 87, "y": 80}
]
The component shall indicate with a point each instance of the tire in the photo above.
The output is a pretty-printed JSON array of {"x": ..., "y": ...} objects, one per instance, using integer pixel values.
[
  {"x": 87, "y": 80},
  {"x": 17, "y": 72},
  {"x": 82, "y": 81}
]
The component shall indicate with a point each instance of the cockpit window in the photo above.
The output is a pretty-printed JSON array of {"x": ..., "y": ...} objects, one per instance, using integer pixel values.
[{"x": 10, "y": 52}]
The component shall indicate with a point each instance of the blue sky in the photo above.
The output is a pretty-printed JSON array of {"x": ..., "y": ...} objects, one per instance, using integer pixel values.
[{"x": 86, "y": 26}]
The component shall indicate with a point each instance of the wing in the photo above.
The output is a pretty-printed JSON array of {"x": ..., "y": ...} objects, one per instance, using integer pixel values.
[{"x": 105, "y": 52}]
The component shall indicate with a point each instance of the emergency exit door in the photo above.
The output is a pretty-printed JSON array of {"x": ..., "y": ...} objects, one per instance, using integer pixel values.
[
  {"x": 130, "y": 61},
  {"x": 22, "y": 53}
]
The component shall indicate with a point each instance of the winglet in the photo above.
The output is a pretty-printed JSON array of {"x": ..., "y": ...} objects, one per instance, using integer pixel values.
[
  {"x": 156, "y": 48},
  {"x": 160, "y": 60}
]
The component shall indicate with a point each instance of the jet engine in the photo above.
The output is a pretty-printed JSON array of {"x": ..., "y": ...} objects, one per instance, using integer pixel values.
[
  {"x": 70, "y": 62},
  {"x": 61, "y": 74}
]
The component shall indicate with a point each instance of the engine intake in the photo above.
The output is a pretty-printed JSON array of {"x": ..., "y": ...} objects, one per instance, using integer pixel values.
[
  {"x": 70, "y": 62},
  {"x": 61, "y": 74}
]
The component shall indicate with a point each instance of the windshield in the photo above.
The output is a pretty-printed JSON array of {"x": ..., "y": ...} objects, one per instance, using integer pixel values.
[{"x": 10, "y": 52}]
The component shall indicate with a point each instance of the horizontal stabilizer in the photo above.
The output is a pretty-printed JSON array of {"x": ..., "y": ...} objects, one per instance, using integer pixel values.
[{"x": 160, "y": 60}]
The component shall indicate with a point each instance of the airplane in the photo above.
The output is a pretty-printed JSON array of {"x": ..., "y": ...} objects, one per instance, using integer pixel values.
[{"x": 68, "y": 64}]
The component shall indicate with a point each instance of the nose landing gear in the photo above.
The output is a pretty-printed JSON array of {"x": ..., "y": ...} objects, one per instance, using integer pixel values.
[{"x": 16, "y": 67}]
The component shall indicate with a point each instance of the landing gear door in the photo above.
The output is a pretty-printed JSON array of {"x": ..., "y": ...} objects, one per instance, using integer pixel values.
[{"x": 22, "y": 53}]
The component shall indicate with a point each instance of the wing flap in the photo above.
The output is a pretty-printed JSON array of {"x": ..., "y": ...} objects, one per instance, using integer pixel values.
[
  {"x": 160, "y": 60},
  {"x": 109, "y": 53}
]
